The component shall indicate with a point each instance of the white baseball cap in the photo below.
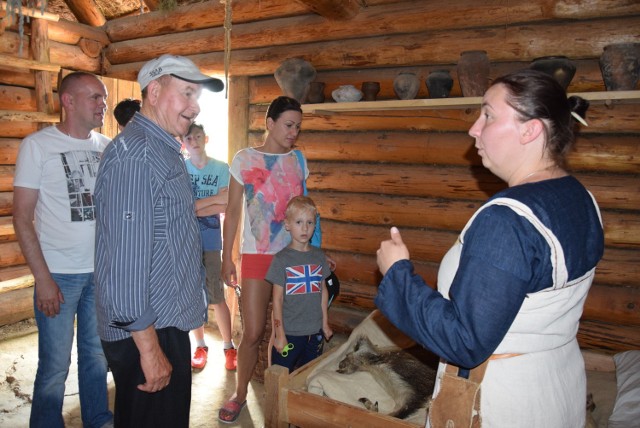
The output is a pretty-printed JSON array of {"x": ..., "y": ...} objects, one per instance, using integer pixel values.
[{"x": 177, "y": 66}]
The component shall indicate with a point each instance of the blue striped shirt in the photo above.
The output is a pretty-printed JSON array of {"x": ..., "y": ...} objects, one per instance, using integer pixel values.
[{"x": 148, "y": 267}]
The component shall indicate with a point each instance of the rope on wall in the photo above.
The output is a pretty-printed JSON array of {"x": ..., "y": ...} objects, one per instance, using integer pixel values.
[
  {"x": 227, "y": 44},
  {"x": 15, "y": 14}
]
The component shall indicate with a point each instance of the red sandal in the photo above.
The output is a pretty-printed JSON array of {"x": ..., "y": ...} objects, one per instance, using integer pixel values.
[{"x": 230, "y": 412}]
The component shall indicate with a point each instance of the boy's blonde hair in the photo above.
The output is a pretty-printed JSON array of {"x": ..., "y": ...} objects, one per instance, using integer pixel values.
[{"x": 300, "y": 203}]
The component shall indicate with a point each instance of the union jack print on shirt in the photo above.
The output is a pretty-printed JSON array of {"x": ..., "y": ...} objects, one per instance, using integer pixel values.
[{"x": 303, "y": 279}]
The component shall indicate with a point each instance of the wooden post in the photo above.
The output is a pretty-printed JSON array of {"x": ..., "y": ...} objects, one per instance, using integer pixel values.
[
  {"x": 16, "y": 305},
  {"x": 40, "y": 49},
  {"x": 275, "y": 389},
  {"x": 238, "y": 139}
]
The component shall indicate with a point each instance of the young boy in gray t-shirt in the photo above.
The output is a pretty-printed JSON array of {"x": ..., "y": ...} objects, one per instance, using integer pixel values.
[{"x": 300, "y": 297}]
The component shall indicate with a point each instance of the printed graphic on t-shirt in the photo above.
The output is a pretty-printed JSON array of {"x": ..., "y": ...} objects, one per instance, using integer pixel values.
[
  {"x": 303, "y": 279},
  {"x": 81, "y": 169},
  {"x": 270, "y": 181},
  {"x": 199, "y": 181}
]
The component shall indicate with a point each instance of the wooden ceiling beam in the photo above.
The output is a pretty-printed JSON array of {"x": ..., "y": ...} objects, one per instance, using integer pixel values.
[
  {"x": 87, "y": 12},
  {"x": 198, "y": 16},
  {"x": 71, "y": 33},
  {"x": 340, "y": 10}
]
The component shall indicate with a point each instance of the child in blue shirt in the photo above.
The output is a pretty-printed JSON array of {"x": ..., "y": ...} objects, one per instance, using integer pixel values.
[{"x": 210, "y": 181}]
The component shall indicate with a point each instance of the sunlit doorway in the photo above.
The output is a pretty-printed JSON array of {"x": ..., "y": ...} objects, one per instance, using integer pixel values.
[{"x": 214, "y": 117}]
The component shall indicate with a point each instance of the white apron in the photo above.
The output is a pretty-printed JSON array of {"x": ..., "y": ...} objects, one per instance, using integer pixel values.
[{"x": 546, "y": 386}]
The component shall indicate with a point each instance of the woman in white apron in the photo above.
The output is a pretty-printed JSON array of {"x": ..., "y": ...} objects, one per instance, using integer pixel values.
[{"x": 512, "y": 289}]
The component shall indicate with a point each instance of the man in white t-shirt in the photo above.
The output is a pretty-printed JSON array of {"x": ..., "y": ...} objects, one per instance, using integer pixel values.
[{"x": 54, "y": 220}]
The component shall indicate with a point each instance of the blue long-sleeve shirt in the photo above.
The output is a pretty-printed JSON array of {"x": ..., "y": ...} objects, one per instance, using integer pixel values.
[
  {"x": 148, "y": 249},
  {"x": 504, "y": 258}
]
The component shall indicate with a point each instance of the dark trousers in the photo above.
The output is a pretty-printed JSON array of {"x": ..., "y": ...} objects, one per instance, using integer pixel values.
[
  {"x": 305, "y": 349},
  {"x": 166, "y": 408}
]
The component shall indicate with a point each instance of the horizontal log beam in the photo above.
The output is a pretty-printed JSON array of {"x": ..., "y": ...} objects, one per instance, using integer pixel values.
[
  {"x": 28, "y": 116},
  {"x": 6, "y": 177},
  {"x": 71, "y": 33},
  {"x": 17, "y": 77},
  {"x": 622, "y": 229},
  {"x": 505, "y": 43},
  {"x": 196, "y": 16},
  {"x": 602, "y": 119},
  {"x": 334, "y": 9},
  {"x": 17, "y": 129},
  {"x": 618, "y": 305},
  {"x": 593, "y": 152},
  {"x": 6, "y": 203},
  {"x": 618, "y": 267},
  {"x": 10, "y": 254},
  {"x": 618, "y": 192},
  {"x": 16, "y": 306},
  {"x": 398, "y": 18},
  {"x": 18, "y": 283},
  {"x": 611, "y": 338},
  {"x": 16, "y": 98},
  {"x": 66, "y": 56},
  {"x": 359, "y": 277},
  {"x": 13, "y": 272},
  {"x": 12, "y": 61},
  {"x": 400, "y": 211},
  {"x": 6, "y": 227}
]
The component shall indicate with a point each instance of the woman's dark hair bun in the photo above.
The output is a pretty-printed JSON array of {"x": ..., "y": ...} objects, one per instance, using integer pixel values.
[{"x": 578, "y": 105}]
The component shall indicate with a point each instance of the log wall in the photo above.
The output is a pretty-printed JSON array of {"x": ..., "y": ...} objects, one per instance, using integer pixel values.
[
  {"x": 28, "y": 85},
  {"x": 418, "y": 170},
  {"x": 415, "y": 169}
]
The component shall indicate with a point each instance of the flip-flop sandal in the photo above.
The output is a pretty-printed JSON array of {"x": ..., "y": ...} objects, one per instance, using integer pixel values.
[{"x": 232, "y": 409}]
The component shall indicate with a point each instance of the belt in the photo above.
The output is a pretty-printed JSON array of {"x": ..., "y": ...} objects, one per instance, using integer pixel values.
[{"x": 501, "y": 356}]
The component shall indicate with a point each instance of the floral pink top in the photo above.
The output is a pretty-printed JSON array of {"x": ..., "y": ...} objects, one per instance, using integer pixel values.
[{"x": 270, "y": 181}]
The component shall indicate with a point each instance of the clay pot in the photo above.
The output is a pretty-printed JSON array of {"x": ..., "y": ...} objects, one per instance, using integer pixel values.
[
  {"x": 406, "y": 86},
  {"x": 346, "y": 94},
  {"x": 620, "y": 66},
  {"x": 560, "y": 68},
  {"x": 316, "y": 93},
  {"x": 473, "y": 73},
  {"x": 439, "y": 84},
  {"x": 294, "y": 76},
  {"x": 370, "y": 90}
]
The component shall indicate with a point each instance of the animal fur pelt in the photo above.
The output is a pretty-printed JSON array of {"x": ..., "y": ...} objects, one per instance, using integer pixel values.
[{"x": 405, "y": 378}]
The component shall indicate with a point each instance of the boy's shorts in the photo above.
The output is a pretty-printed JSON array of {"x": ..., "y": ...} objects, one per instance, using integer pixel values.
[{"x": 215, "y": 286}]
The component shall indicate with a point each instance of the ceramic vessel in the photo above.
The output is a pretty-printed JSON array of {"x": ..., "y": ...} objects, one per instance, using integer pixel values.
[
  {"x": 439, "y": 84},
  {"x": 406, "y": 86},
  {"x": 316, "y": 93},
  {"x": 560, "y": 67},
  {"x": 370, "y": 90},
  {"x": 346, "y": 94},
  {"x": 620, "y": 66},
  {"x": 473, "y": 73},
  {"x": 294, "y": 76}
]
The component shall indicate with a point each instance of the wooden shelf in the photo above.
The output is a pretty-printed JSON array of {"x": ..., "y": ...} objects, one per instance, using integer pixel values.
[{"x": 609, "y": 97}]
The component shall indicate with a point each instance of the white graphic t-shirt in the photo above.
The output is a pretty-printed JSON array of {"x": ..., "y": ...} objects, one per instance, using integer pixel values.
[{"x": 64, "y": 171}]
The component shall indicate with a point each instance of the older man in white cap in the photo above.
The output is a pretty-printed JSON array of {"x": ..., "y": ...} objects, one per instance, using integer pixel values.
[{"x": 149, "y": 273}]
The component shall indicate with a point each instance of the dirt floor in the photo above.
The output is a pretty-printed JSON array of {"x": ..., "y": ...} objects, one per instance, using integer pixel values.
[{"x": 18, "y": 363}]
